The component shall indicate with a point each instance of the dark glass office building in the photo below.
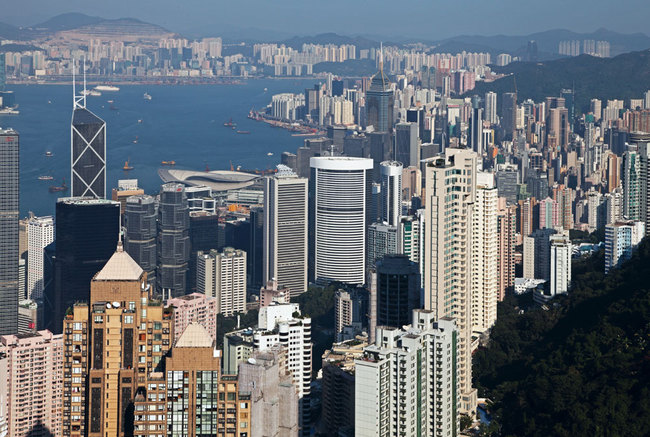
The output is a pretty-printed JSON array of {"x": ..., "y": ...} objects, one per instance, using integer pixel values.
[
  {"x": 173, "y": 241},
  {"x": 141, "y": 229},
  {"x": 88, "y": 154},
  {"x": 86, "y": 237},
  {"x": 398, "y": 290},
  {"x": 204, "y": 236},
  {"x": 9, "y": 190},
  {"x": 379, "y": 102}
]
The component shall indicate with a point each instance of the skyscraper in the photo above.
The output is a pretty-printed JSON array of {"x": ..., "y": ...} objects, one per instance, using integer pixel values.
[
  {"x": 475, "y": 132},
  {"x": 140, "y": 236},
  {"x": 33, "y": 383},
  {"x": 285, "y": 247},
  {"x": 382, "y": 240},
  {"x": 407, "y": 147},
  {"x": 341, "y": 194},
  {"x": 40, "y": 233},
  {"x": 561, "y": 251},
  {"x": 451, "y": 195},
  {"x": 631, "y": 181},
  {"x": 87, "y": 152},
  {"x": 86, "y": 236},
  {"x": 380, "y": 101},
  {"x": 113, "y": 343},
  {"x": 409, "y": 380},
  {"x": 9, "y": 190},
  {"x": 509, "y": 115},
  {"x": 223, "y": 275},
  {"x": 391, "y": 192},
  {"x": 507, "y": 230},
  {"x": 485, "y": 252},
  {"x": 173, "y": 241},
  {"x": 491, "y": 107},
  {"x": 398, "y": 290}
]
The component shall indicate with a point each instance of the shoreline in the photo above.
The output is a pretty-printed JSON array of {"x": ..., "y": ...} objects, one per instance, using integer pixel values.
[{"x": 234, "y": 80}]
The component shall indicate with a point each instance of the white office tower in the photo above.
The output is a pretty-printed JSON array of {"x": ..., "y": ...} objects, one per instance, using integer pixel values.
[
  {"x": 283, "y": 325},
  {"x": 561, "y": 250},
  {"x": 222, "y": 275},
  {"x": 341, "y": 194},
  {"x": 409, "y": 236},
  {"x": 613, "y": 206},
  {"x": 595, "y": 211},
  {"x": 40, "y": 233},
  {"x": 631, "y": 183},
  {"x": 285, "y": 230},
  {"x": 491, "y": 107},
  {"x": 391, "y": 192},
  {"x": 450, "y": 198},
  {"x": 407, "y": 383},
  {"x": 485, "y": 285},
  {"x": 621, "y": 239}
]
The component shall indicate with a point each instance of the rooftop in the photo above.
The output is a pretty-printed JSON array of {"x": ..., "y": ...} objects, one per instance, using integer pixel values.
[
  {"x": 120, "y": 267},
  {"x": 194, "y": 335}
]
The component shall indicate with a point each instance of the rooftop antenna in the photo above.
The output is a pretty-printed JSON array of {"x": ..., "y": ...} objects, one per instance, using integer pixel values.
[
  {"x": 78, "y": 102},
  {"x": 381, "y": 56},
  {"x": 84, "y": 93}
]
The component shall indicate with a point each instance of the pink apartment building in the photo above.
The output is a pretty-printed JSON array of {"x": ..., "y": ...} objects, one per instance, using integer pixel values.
[
  {"x": 31, "y": 366},
  {"x": 195, "y": 307}
]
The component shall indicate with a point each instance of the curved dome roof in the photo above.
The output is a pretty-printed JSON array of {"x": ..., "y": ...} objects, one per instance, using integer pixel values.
[{"x": 218, "y": 180}]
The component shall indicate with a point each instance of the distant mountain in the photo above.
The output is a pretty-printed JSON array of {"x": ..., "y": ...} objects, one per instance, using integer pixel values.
[
  {"x": 72, "y": 20},
  {"x": 329, "y": 38},
  {"x": 624, "y": 76},
  {"x": 81, "y": 25},
  {"x": 549, "y": 41}
]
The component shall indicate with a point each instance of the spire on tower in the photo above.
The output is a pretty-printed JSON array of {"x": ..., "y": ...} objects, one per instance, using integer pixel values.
[{"x": 78, "y": 101}]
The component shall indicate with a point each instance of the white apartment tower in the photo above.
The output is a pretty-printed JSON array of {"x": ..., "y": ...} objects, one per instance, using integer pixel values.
[
  {"x": 485, "y": 254},
  {"x": 223, "y": 275},
  {"x": 561, "y": 250},
  {"x": 285, "y": 231},
  {"x": 40, "y": 233},
  {"x": 407, "y": 383},
  {"x": 341, "y": 196},
  {"x": 450, "y": 200}
]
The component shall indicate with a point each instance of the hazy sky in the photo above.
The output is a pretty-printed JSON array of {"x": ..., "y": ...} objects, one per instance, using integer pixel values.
[{"x": 432, "y": 19}]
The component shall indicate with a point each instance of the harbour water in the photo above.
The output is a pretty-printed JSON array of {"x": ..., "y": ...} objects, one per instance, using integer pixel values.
[{"x": 180, "y": 123}]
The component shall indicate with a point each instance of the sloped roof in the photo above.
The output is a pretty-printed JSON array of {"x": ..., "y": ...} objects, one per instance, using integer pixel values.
[
  {"x": 120, "y": 267},
  {"x": 194, "y": 335}
]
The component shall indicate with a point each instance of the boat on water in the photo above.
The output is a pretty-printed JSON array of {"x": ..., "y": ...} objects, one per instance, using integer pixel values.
[
  {"x": 146, "y": 96},
  {"x": 9, "y": 111},
  {"x": 243, "y": 132},
  {"x": 230, "y": 123},
  {"x": 139, "y": 120},
  {"x": 49, "y": 154},
  {"x": 94, "y": 93},
  {"x": 168, "y": 162},
  {"x": 127, "y": 167},
  {"x": 45, "y": 178},
  {"x": 136, "y": 140},
  {"x": 106, "y": 88},
  {"x": 269, "y": 154},
  {"x": 58, "y": 188}
]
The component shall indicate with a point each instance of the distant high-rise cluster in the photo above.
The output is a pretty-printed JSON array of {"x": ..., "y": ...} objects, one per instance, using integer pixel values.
[{"x": 591, "y": 47}]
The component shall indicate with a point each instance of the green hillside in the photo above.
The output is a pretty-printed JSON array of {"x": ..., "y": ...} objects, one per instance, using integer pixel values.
[
  {"x": 625, "y": 76},
  {"x": 580, "y": 368}
]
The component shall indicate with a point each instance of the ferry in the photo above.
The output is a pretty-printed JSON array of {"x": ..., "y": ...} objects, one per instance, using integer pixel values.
[
  {"x": 106, "y": 88},
  {"x": 45, "y": 178},
  {"x": 59, "y": 188},
  {"x": 127, "y": 167},
  {"x": 146, "y": 96},
  {"x": 168, "y": 162}
]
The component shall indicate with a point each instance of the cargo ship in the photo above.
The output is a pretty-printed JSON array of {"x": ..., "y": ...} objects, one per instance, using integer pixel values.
[{"x": 45, "y": 178}]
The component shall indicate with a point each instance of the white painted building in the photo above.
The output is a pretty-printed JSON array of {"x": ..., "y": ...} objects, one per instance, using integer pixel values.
[
  {"x": 407, "y": 383},
  {"x": 40, "y": 233},
  {"x": 223, "y": 276}
]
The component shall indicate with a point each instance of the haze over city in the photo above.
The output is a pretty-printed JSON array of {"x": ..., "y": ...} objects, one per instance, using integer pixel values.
[{"x": 428, "y": 19}]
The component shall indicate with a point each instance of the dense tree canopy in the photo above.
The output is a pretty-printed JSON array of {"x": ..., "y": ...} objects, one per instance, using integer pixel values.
[{"x": 580, "y": 367}]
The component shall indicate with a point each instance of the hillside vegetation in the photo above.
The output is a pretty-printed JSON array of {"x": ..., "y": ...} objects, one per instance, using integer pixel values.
[{"x": 580, "y": 368}]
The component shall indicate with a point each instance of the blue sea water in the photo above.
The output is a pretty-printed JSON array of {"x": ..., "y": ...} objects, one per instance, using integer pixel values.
[{"x": 183, "y": 123}]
